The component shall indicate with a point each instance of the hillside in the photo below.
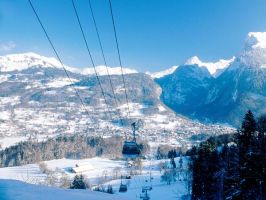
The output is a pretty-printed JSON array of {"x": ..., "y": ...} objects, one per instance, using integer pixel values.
[
  {"x": 39, "y": 101},
  {"x": 17, "y": 190}
]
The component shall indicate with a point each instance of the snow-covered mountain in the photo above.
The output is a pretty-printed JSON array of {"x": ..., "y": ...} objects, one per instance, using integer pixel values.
[
  {"x": 213, "y": 67},
  {"x": 239, "y": 87},
  {"x": 23, "y": 61},
  {"x": 38, "y": 99},
  {"x": 19, "y": 62},
  {"x": 163, "y": 73},
  {"x": 101, "y": 70},
  {"x": 254, "y": 51},
  {"x": 183, "y": 90}
]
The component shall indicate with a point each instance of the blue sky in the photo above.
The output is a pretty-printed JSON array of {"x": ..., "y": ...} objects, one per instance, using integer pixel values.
[{"x": 153, "y": 34}]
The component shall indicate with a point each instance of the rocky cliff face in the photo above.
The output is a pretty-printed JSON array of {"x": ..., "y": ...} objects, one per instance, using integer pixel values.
[{"x": 224, "y": 98}]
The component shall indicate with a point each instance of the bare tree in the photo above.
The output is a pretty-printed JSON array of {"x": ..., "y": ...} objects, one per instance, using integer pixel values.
[
  {"x": 169, "y": 176},
  {"x": 162, "y": 166},
  {"x": 116, "y": 172},
  {"x": 64, "y": 181},
  {"x": 51, "y": 179},
  {"x": 44, "y": 168}
]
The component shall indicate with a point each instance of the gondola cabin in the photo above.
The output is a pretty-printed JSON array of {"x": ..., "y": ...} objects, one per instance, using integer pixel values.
[{"x": 131, "y": 149}]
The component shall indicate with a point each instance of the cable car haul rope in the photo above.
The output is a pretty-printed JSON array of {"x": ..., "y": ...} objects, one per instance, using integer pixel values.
[{"x": 131, "y": 149}]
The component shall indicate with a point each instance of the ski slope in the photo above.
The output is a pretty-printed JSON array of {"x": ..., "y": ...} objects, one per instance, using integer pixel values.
[
  {"x": 17, "y": 190},
  {"x": 102, "y": 173}
]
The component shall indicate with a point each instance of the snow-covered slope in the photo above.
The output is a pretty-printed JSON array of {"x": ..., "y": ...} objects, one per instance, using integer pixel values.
[
  {"x": 23, "y": 61},
  {"x": 213, "y": 68},
  {"x": 256, "y": 40},
  {"x": 17, "y": 190},
  {"x": 103, "y": 174},
  {"x": 18, "y": 62},
  {"x": 39, "y": 101},
  {"x": 101, "y": 70},
  {"x": 163, "y": 73},
  {"x": 254, "y": 52}
]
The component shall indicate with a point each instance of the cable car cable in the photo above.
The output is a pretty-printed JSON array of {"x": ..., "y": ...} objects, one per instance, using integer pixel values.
[
  {"x": 57, "y": 55},
  {"x": 104, "y": 59},
  {"x": 119, "y": 56},
  {"x": 120, "y": 62},
  {"x": 60, "y": 61},
  {"x": 91, "y": 59}
]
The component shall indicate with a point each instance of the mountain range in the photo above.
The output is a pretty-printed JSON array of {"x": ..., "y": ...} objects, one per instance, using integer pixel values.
[
  {"x": 36, "y": 96},
  {"x": 223, "y": 92},
  {"x": 37, "y": 100}
]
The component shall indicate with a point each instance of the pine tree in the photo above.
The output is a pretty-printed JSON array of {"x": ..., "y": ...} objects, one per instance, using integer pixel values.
[
  {"x": 110, "y": 189},
  {"x": 238, "y": 170},
  {"x": 247, "y": 152},
  {"x": 78, "y": 183},
  {"x": 180, "y": 162},
  {"x": 262, "y": 156},
  {"x": 232, "y": 176},
  {"x": 202, "y": 171},
  {"x": 261, "y": 127},
  {"x": 248, "y": 127}
]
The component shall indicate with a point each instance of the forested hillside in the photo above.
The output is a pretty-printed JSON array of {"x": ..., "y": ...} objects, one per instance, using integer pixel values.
[
  {"x": 233, "y": 166},
  {"x": 75, "y": 146}
]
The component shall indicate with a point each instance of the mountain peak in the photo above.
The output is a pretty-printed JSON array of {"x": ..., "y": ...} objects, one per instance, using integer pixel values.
[
  {"x": 254, "y": 52},
  {"x": 23, "y": 61},
  {"x": 194, "y": 60},
  {"x": 213, "y": 67},
  {"x": 102, "y": 70},
  {"x": 256, "y": 40},
  {"x": 163, "y": 73},
  {"x": 13, "y": 62}
]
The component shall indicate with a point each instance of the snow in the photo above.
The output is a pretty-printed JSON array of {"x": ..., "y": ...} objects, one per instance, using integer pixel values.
[
  {"x": 256, "y": 39},
  {"x": 135, "y": 109},
  {"x": 3, "y": 78},
  {"x": 12, "y": 100},
  {"x": 18, "y": 62},
  {"x": 9, "y": 141},
  {"x": 4, "y": 115},
  {"x": 61, "y": 82},
  {"x": 31, "y": 173},
  {"x": 254, "y": 51},
  {"x": 161, "y": 108},
  {"x": 102, "y": 168},
  {"x": 16, "y": 190},
  {"x": 163, "y": 73},
  {"x": 212, "y": 67},
  {"x": 101, "y": 70},
  {"x": 13, "y": 62},
  {"x": 99, "y": 165},
  {"x": 27, "y": 173},
  {"x": 13, "y": 140}
]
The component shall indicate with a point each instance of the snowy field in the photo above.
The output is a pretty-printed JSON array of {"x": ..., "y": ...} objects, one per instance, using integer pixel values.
[
  {"x": 13, "y": 140},
  {"x": 16, "y": 190},
  {"x": 103, "y": 172}
]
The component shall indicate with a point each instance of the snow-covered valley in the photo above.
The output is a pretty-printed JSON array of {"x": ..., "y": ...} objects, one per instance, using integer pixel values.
[{"x": 38, "y": 101}]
